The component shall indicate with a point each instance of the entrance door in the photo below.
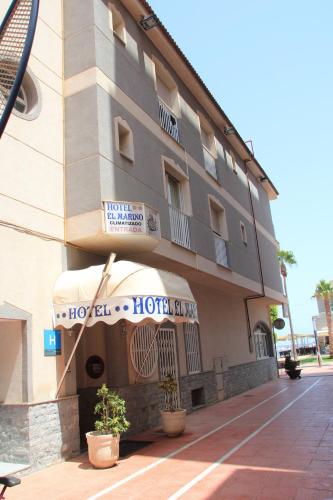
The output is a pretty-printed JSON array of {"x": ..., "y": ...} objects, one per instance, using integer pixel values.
[{"x": 167, "y": 357}]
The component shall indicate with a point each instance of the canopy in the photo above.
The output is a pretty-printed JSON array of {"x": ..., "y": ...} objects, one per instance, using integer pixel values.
[{"x": 133, "y": 292}]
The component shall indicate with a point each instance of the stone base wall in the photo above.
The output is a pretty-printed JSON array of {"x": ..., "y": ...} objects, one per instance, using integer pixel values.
[
  {"x": 206, "y": 381},
  {"x": 144, "y": 401},
  {"x": 39, "y": 434},
  {"x": 241, "y": 378}
]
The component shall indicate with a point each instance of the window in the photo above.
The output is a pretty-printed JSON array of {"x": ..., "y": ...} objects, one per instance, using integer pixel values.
[
  {"x": 263, "y": 341},
  {"x": 192, "y": 346},
  {"x": 231, "y": 162},
  {"x": 243, "y": 233},
  {"x": 28, "y": 101},
  {"x": 176, "y": 185},
  {"x": 209, "y": 146},
  {"x": 168, "y": 100},
  {"x": 174, "y": 193},
  {"x": 144, "y": 362},
  {"x": 207, "y": 135},
  {"x": 216, "y": 216},
  {"x": 177, "y": 192},
  {"x": 124, "y": 139},
  {"x": 117, "y": 23},
  {"x": 220, "y": 230}
]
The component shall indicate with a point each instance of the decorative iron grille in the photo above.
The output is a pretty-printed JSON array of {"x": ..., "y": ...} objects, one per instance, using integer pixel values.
[
  {"x": 143, "y": 350},
  {"x": 16, "y": 36},
  {"x": 192, "y": 345}
]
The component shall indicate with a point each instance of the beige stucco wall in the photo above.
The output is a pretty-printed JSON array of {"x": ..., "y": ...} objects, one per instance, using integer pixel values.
[
  {"x": 222, "y": 327},
  {"x": 11, "y": 361},
  {"x": 31, "y": 198}
]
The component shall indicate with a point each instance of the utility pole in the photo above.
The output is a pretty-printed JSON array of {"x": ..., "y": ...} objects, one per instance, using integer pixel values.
[
  {"x": 320, "y": 362},
  {"x": 292, "y": 335}
]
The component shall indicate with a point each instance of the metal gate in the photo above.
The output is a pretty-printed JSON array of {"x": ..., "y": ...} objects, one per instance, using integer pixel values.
[{"x": 167, "y": 357}]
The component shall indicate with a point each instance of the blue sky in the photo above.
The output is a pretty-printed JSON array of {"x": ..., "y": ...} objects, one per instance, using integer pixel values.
[{"x": 269, "y": 65}]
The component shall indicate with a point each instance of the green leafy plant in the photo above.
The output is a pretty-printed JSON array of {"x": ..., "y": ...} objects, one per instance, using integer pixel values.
[
  {"x": 273, "y": 313},
  {"x": 112, "y": 411},
  {"x": 169, "y": 386}
]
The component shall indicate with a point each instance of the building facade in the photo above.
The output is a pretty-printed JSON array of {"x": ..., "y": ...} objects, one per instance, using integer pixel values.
[{"x": 121, "y": 148}]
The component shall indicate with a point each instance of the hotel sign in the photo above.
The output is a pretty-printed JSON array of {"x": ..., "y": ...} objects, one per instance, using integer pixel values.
[
  {"x": 132, "y": 308},
  {"x": 124, "y": 217}
]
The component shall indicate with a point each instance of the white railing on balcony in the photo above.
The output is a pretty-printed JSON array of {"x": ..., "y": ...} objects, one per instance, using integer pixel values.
[
  {"x": 168, "y": 120},
  {"x": 180, "y": 228},
  {"x": 209, "y": 160},
  {"x": 221, "y": 251}
]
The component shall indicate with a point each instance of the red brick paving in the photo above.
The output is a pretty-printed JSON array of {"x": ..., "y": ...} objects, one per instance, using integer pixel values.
[{"x": 292, "y": 458}]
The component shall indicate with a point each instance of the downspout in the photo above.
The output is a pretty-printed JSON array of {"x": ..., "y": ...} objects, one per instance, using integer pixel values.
[{"x": 262, "y": 294}]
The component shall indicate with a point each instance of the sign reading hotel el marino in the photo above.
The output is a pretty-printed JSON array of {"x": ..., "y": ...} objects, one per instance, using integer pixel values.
[
  {"x": 123, "y": 217},
  {"x": 132, "y": 308}
]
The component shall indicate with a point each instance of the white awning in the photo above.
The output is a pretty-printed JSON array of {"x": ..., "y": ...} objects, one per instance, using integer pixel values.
[{"x": 133, "y": 292}]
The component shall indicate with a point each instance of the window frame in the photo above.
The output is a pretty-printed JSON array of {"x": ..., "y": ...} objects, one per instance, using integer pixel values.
[
  {"x": 262, "y": 341},
  {"x": 120, "y": 123},
  {"x": 243, "y": 233},
  {"x": 170, "y": 167},
  {"x": 114, "y": 14},
  {"x": 214, "y": 204},
  {"x": 163, "y": 74},
  {"x": 206, "y": 129}
]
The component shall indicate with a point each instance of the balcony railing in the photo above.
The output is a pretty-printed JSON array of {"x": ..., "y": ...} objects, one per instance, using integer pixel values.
[
  {"x": 209, "y": 160},
  {"x": 168, "y": 121},
  {"x": 180, "y": 228},
  {"x": 221, "y": 251}
]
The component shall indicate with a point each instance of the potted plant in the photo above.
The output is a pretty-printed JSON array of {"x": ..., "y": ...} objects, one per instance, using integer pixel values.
[
  {"x": 173, "y": 418},
  {"x": 292, "y": 367},
  {"x": 103, "y": 443}
]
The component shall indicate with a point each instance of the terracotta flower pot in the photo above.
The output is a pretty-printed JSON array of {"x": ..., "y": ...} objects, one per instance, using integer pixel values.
[
  {"x": 173, "y": 422},
  {"x": 103, "y": 449}
]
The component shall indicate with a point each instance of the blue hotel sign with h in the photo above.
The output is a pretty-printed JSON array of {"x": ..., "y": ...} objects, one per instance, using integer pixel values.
[{"x": 52, "y": 342}]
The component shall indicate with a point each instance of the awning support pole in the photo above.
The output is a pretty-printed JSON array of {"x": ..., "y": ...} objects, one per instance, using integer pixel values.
[
  {"x": 147, "y": 353},
  {"x": 105, "y": 275}
]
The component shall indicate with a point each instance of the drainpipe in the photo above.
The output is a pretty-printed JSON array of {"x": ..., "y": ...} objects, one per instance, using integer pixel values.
[{"x": 262, "y": 294}]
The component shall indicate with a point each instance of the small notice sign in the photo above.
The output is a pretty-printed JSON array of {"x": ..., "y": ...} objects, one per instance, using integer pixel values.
[{"x": 52, "y": 342}]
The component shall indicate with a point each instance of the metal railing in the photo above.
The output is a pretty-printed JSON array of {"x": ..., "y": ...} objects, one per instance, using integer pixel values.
[
  {"x": 221, "y": 251},
  {"x": 180, "y": 228},
  {"x": 209, "y": 161},
  {"x": 168, "y": 120}
]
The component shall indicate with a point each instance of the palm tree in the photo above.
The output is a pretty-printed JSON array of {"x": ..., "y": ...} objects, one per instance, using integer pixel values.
[
  {"x": 324, "y": 291},
  {"x": 287, "y": 257}
]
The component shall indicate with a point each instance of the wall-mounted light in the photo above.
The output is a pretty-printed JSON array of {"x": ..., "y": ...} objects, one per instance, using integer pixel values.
[
  {"x": 148, "y": 22},
  {"x": 229, "y": 130},
  {"x": 263, "y": 179},
  {"x": 123, "y": 329}
]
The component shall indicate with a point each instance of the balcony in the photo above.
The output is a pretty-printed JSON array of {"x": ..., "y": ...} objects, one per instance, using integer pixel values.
[
  {"x": 209, "y": 162},
  {"x": 221, "y": 251},
  {"x": 180, "y": 228},
  {"x": 168, "y": 120}
]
